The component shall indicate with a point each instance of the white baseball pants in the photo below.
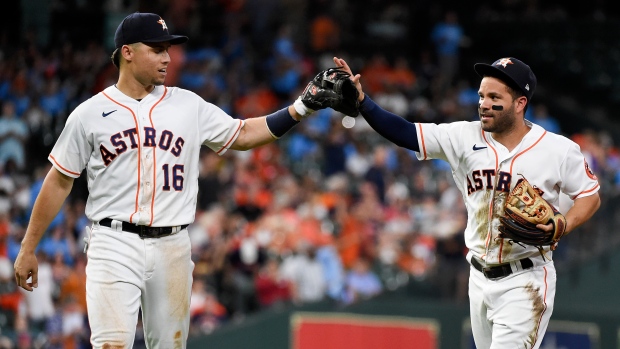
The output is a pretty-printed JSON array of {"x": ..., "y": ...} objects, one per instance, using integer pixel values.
[
  {"x": 125, "y": 273},
  {"x": 512, "y": 312}
]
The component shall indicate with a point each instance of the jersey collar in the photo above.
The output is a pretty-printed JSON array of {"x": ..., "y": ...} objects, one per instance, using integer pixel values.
[{"x": 115, "y": 93}]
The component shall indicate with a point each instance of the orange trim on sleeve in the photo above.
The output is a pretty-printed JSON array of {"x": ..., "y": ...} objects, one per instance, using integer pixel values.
[
  {"x": 587, "y": 191},
  {"x": 231, "y": 138},
  {"x": 64, "y": 169},
  {"x": 155, "y": 157},
  {"x": 139, "y": 152},
  {"x": 423, "y": 148}
]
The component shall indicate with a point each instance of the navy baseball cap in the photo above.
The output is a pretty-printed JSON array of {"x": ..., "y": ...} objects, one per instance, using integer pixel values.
[
  {"x": 513, "y": 72},
  {"x": 144, "y": 27}
]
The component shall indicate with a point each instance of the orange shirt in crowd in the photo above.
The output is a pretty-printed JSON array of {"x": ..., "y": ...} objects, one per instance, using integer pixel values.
[{"x": 258, "y": 102}]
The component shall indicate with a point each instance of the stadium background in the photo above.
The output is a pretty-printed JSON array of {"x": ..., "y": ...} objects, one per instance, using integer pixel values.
[{"x": 327, "y": 220}]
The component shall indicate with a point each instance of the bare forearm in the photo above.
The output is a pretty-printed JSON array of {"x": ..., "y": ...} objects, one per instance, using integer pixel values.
[
  {"x": 255, "y": 132},
  {"x": 582, "y": 210},
  {"x": 56, "y": 187}
]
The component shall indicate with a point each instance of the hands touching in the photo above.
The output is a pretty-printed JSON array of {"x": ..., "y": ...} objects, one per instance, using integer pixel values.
[{"x": 341, "y": 63}]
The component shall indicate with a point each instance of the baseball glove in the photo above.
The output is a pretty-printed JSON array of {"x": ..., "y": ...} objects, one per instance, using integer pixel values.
[
  {"x": 525, "y": 208},
  {"x": 332, "y": 88}
]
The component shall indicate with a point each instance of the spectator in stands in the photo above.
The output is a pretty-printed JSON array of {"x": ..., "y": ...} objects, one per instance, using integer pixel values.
[
  {"x": 66, "y": 328},
  {"x": 59, "y": 243},
  {"x": 40, "y": 304},
  {"x": 72, "y": 285},
  {"x": 53, "y": 101},
  {"x": 19, "y": 93},
  {"x": 324, "y": 33},
  {"x": 334, "y": 151},
  {"x": 361, "y": 282},
  {"x": 211, "y": 182},
  {"x": 447, "y": 36},
  {"x": 206, "y": 312},
  {"x": 305, "y": 273},
  {"x": 10, "y": 296},
  {"x": 392, "y": 98},
  {"x": 272, "y": 290},
  {"x": 542, "y": 117},
  {"x": 244, "y": 262},
  {"x": 302, "y": 147},
  {"x": 7, "y": 190},
  {"x": 375, "y": 71},
  {"x": 403, "y": 77},
  {"x": 333, "y": 271},
  {"x": 5, "y": 342},
  {"x": 377, "y": 172},
  {"x": 13, "y": 137}
]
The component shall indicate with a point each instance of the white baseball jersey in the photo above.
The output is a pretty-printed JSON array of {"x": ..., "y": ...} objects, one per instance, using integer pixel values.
[
  {"x": 485, "y": 171},
  {"x": 142, "y": 156}
]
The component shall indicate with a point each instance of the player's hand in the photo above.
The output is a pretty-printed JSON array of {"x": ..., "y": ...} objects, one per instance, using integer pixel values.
[
  {"x": 341, "y": 63},
  {"x": 545, "y": 227},
  {"x": 26, "y": 266}
]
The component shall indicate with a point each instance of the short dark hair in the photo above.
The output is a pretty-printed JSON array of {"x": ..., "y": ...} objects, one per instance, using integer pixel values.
[
  {"x": 514, "y": 91},
  {"x": 116, "y": 58},
  {"x": 116, "y": 55}
]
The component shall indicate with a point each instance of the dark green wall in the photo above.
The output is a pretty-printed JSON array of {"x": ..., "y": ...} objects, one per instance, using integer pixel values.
[{"x": 587, "y": 293}]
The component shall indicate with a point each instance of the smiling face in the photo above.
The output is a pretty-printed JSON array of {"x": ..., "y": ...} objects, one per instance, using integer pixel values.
[
  {"x": 495, "y": 92},
  {"x": 147, "y": 62}
]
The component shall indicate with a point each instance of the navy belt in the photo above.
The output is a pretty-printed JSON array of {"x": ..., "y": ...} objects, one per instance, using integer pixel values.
[
  {"x": 499, "y": 271},
  {"x": 144, "y": 231}
]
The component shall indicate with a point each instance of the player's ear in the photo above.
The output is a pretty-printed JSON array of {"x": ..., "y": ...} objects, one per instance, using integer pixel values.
[
  {"x": 127, "y": 51},
  {"x": 521, "y": 103}
]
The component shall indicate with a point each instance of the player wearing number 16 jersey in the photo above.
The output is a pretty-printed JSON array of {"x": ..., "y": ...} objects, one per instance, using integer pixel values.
[{"x": 139, "y": 142}]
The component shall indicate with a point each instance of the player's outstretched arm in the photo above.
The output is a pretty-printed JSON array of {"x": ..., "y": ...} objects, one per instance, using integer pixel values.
[
  {"x": 265, "y": 129},
  {"x": 56, "y": 187},
  {"x": 330, "y": 88},
  {"x": 391, "y": 126}
]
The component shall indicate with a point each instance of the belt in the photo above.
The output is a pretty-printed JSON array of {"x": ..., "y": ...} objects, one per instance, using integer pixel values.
[
  {"x": 142, "y": 230},
  {"x": 500, "y": 271}
]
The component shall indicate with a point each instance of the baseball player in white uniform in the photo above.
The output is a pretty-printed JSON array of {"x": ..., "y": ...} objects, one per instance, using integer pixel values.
[
  {"x": 139, "y": 142},
  {"x": 511, "y": 286}
]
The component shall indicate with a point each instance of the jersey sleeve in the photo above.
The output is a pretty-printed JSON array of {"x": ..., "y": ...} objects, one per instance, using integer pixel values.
[
  {"x": 440, "y": 141},
  {"x": 72, "y": 149},
  {"x": 578, "y": 180},
  {"x": 218, "y": 130}
]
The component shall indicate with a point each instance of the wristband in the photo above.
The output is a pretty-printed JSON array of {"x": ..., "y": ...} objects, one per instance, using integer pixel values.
[
  {"x": 301, "y": 108},
  {"x": 280, "y": 123}
]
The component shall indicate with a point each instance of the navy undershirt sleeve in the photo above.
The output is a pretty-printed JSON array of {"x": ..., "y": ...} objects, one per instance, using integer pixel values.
[{"x": 391, "y": 126}]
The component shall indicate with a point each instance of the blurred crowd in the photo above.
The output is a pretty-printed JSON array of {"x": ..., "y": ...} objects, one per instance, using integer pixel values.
[{"x": 327, "y": 213}]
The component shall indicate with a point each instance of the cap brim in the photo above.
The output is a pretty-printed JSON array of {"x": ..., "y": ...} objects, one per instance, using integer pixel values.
[
  {"x": 172, "y": 39},
  {"x": 484, "y": 69}
]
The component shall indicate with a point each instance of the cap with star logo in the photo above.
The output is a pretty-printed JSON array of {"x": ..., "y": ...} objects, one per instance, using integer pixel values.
[
  {"x": 513, "y": 72},
  {"x": 144, "y": 27}
]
